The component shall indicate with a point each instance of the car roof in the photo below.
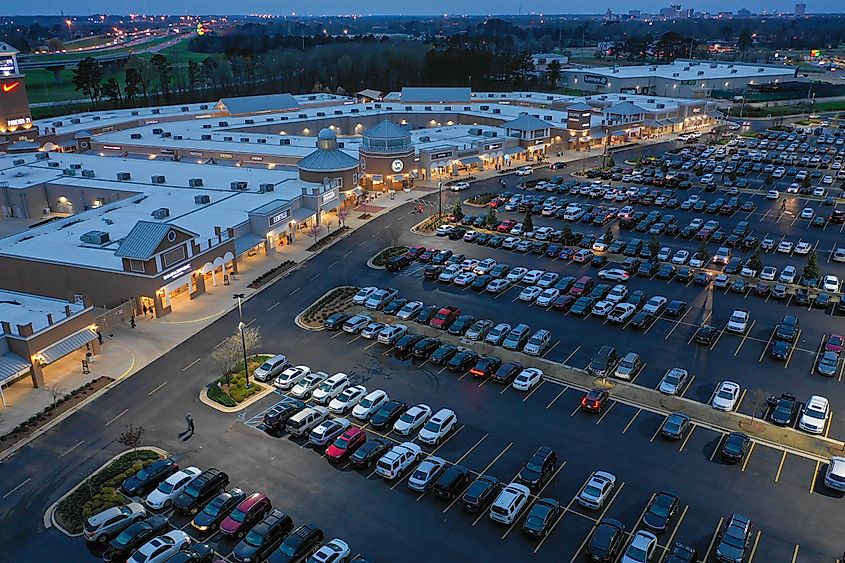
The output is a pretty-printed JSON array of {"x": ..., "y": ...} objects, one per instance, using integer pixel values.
[{"x": 251, "y": 500}]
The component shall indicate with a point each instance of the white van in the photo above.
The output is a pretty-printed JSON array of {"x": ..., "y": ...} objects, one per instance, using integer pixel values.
[
  {"x": 330, "y": 388},
  {"x": 271, "y": 368},
  {"x": 399, "y": 458},
  {"x": 509, "y": 503},
  {"x": 306, "y": 420}
]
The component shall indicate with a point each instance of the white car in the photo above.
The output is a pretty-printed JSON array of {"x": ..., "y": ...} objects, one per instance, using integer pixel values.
[
  {"x": 443, "y": 230},
  {"x": 533, "y": 276},
  {"x": 614, "y": 274},
  {"x": 409, "y": 310},
  {"x": 310, "y": 382},
  {"x": 516, "y": 274},
  {"x": 785, "y": 247},
  {"x": 548, "y": 279},
  {"x": 681, "y": 257},
  {"x": 510, "y": 243},
  {"x": 617, "y": 294},
  {"x": 347, "y": 399},
  {"x": 509, "y": 503},
  {"x": 449, "y": 273},
  {"x": 363, "y": 294},
  {"x": 460, "y": 186},
  {"x": 291, "y": 377},
  {"x": 330, "y": 388},
  {"x": 370, "y": 404},
  {"x": 484, "y": 266},
  {"x": 438, "y": 426},
  {"x": 827, "y": 180},
  {"x": 335, "y": 551},
  {"x": 596, "y": 490},
  {"x": 391, "y": 333},
  {"x": 524, "y": 171},
  {"x": 787, "y": 275},
  {"x": 162, "y": 497},
  {"x": 327, "y": 431},
  {"x": 371, "y": 330},
  {"x": 602, "y": 308},
  {"x": 768, "y": 273},
  {"x": 161, "y": 548},
  {"x": 412, "y": 419},
  {"x": 530, "y": 293},
  {"x": 803, "y": 247},
  {"x": 726, "y": 396},
  {"x": 807, "y": 213},
  {"x": 426, "y": 473},
  {"x": 655, "y": 305},
  {"x": 697, "y": 260},
  {"x": 830, "y": 283},
  {"x": 641, "y": 549},
  {"x": 674, "y": 381},
  {"x": 527, "y": 379},
  {"x": 498, "y": 285},
  {"x": 814, "y": 415},
  {"x": 818, "y": 191},
  {"x": 464, "y": 278},
  {"x": 621, "y": 312},
  {"x": 663, "y": 254},
  {"x": 839, "y": 254},
  {"x": 547, "y": 297},
  {"x": 356, "y": 323},
  {"x": 398, "y": 459},
  {"x": 772, "y": 194}
]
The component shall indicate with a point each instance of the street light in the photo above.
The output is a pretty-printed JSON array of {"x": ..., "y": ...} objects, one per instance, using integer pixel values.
[{"x": 242, "y": 327}]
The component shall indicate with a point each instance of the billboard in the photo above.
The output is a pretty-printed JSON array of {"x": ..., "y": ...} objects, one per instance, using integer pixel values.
[{"x": 8, "y": 66}]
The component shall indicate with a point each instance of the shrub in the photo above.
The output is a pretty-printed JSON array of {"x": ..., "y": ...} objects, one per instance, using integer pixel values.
[
  {"x": 217, "y": 395},
  {"x": 382, "y": 257}
]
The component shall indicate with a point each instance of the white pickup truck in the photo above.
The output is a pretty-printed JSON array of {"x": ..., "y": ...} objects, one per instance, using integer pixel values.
[{"x": 739, "y": 321}]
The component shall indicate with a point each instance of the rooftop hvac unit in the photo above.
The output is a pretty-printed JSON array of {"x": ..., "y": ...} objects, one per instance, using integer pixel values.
[
  {"x": 266, "y": 188},
  {"x": 206, "y": 137},
  {"x": 761, "y": 70},
  {"x": 491, "y": 134},
  {"x": 223, "y": 123},
  {"x": 303, "y": 115},
  {"x": 340, "y": 144},
  {"x": 161, "y": 213},
  {"x": 42, "y": 155},
  {"x": 96, "y": 118},
  {"x": 661, "y": 106},
  {"x": 497, "y": 110},
  {"x": 321, "y": 114},
  {"x": 244, "y": 139},
  {"x": 714, "y": 65},
  {"x": 124, "y": 176},
  {"x": 53, "y": 164},
  {"x": 135, "y": 112},
  {"x": 58, "y": 123},
  {"x": 167, "y": 134},
  {"x": 312, "y": 97},
  {"x": 484, "y": 108},
  {"x": 69, "y": 172},
  {"x": 204, "y": 106},
  {"x": 261, "y": 141},
  {"x": 75, "y": 166},
  {"x": 425, "y": 139},
  {"x": 269, "y": 119},
  {"x": 135, "y": 136},
  {"x": 675, "y": 74},
  {"x": 686, "y": 68},
  {"x": 156, "y": 111},
  {"x": 700, "y": 73},
  {"x": 206, "y": 125},
  {"x": 284, "y": 141},
  {"x": 474, "y": 131},
  {"x": 653, "y": 68},
  {"x": 547, "y": 117},
  {"x": 18, "y": 161},
  {"x": 466, "y": 108},
  {"x": 202, "y": 199},
  {"x": 734, "y": 70},
  {"x": 185, "y": 108},
  {"x": 87, "y": 173},
  {"x": 283, "y": 118},
  {"x": 95, "y": 237},
  {"x": 195, "y": 182},
  {"x": 238, "y": 186},
  {"x": 249, "y": 121},
  {"x": 76, "y": 121},
  {"x": 448, "y": 108},
  {"x": 228, "y": 138},
  {"x": 177, "y": 137},
  {"x": 650, "y": 101},
  {"x": 158, "y": 131},
  {"x": 157, "y": 179},
  {"x": 615, "y": 70},
  {"x": 338, "y": 112},
  {"x": 355, "y": 110}
]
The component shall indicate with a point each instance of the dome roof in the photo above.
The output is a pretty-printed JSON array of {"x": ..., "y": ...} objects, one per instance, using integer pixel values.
[
  {"x": 327, "y": 157},
  {"x": 386, "y": 130},
  {"x": 326, "y": 135}
]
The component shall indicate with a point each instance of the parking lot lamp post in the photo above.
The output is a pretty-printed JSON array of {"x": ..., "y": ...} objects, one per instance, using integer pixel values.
[
  {"x": 241, "y": 327},
  {"x": 440, "y": 198}
]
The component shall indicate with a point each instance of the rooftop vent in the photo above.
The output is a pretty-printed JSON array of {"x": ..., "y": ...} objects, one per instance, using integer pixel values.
[
  {"x": 42, "y": 156},
  {"x": 195, "y": 182},
  {"x": 157, "y": 130},
  {"x": 87, "y": 173},
  {"x": 204, "y": 106},
  {"x": 223, "y": 123},
  {"x": 161, "y": 213},
  {"x": 18, "y": 161},
  {"x": 75, "y": 165},
  {"x": 157, "y": 179},
  {"x": 238, "y": 186},
  {"x": 206, "y": 125},
  {"x": 202, "y": 199},
  {"x": 124, "y": 176},
  {"x": 135, "y": 136},
  {"x": 156, "y": 111},
  {"x": 266, "y": 188},
  {"x": 249, "y": 121},
  {"x": 95, "y": 237},
  {"x": 54, "y": 164},
  {"x": 205, "y": 137}
]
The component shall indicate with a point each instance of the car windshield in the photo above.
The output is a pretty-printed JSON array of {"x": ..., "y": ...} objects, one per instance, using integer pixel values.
[
  {"x": 165, "y": 487},
  {"x": 660, "y": 510},
  {"x": 344, "y": 398},
  {"x": 266, "y": 366},
  {"x": 366, "y": 403},
  {"x": 672, "y": 425},
  {"x": 626, "y": 364},
  {"x": 125, "y": 537},
  {"x": 672, "y": 379},
  {"x": 325, "y": 387},
  {"x": 733, "y": 540},
  {"x": 533, "y": 466},
  {"x": 535, "y": 341},
  {"x": 725, "y": 394},
  {"x": 812, "y": 413},
  {"x": 213, "y": 508},
  {"x": 341, "y": 443},
  {"x": 592, "y": 491},
  {"x": 238, "y": 515},
  {"x": 287, "y": 549},
  {"x": 636, "y": 553},
  {"x": 253, "y": 539},
  {"x": 407, "y": 417},
  {"x": 432, "y": 426}
]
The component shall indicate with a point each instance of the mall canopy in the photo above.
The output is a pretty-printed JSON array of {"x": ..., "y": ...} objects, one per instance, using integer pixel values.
[
  {"x": 526, "y": 122},
  {"x": 469, "y": 160},
  {"x": 67, "y": 345},
  {"x": 246, "y": 242},
  {"x": 369, "y": 93}
]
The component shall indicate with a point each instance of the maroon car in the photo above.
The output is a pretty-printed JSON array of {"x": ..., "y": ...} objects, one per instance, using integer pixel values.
[{"x": 247, "y": 514}]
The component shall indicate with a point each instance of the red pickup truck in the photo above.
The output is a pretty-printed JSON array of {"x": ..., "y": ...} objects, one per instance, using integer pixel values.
[{"x": 444, "y": 317}]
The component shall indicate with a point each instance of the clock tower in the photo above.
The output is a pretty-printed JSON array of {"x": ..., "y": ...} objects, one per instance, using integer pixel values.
[{"x": 15, "y": 118}]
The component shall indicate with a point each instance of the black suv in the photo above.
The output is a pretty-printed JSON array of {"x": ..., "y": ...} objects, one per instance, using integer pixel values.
[
  {"x": 606, "y": 540},
  {"x": 450, "y": 482},
  {"x": 264, "y": 537},
  {"x": 788, "y": 328},
  {"x": 539, "y": 468},
  {"x": 303, "y": 542},
  {"x": 397, "y": 263},
  {"x": 276, "y": 417},
  {"x": 734, "y": 539},
  {"x": 149, "y": 477},
  {"x": 206, "y": 485}
]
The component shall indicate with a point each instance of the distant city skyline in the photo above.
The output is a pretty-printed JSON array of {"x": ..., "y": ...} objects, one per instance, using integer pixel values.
[{"x": 384, "y": 7}]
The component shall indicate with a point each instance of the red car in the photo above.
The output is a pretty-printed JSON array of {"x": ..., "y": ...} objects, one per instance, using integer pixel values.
[
  {"x": 428, "y": 254},
  {"x": 346, "y": 444},
  {"x": 249, "y": 512},
  {"x": 594, "y": 400},
  {"x": 506, "y": 226},
  {"x": 834, "y": 343},
  {"x": 415, "y": 252}
]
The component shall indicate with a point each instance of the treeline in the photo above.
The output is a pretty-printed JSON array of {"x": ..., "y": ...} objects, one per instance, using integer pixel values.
[{"x": 258, "y": 42}]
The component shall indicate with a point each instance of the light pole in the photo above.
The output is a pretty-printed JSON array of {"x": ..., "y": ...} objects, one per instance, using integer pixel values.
[
  {"x": 242, "y": 327},
  {"x": 440, "y": 198}
]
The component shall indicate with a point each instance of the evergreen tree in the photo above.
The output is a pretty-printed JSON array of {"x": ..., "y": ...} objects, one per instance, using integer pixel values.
[
  {"x": 528, "y": 222},
  {"x": 812, "y": 270},
  {"x": 87, "y": 78}
]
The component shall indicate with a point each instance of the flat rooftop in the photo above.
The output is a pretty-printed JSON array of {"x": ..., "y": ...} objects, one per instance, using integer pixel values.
[
  {"x": 23, "y": 308},
  {"x": 692, "y": 70}
]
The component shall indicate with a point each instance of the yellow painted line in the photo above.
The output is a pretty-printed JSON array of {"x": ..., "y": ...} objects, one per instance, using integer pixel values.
[
  {"x": 780, "y": 466},
  {"x": 829, "y": 423},
  {"x": 748, "y": 456},
  {"x": 672, "y": 535},
  {"x": 630, "y": 422},
  {"x": 754, "y": 547},
  {"x": 795, "y": 554},
  {"x": 712, "y": 540},
  {"x": 815, "y": 475},
  {"x": 716, "y": 449},
  {"x": 686, "y": 439},
  {"x": 739, "y": 401}
]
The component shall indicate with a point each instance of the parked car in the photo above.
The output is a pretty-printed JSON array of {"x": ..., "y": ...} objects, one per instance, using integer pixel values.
[{"x": 108, "y": 523}]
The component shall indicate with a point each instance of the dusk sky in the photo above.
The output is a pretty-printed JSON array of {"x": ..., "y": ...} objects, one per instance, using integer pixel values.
[{"x": 321, "y": 7}]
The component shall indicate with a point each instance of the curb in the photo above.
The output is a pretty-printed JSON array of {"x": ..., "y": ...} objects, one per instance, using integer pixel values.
[
  {"x": 370, "y": 263},
  {"x": 298, "y": 319},
  {"x": 49, "y": 519},
  {"x": 244, "y": 404}
]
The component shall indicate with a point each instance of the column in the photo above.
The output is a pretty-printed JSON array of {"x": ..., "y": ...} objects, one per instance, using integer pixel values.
[{"x": 37, "y": 375}]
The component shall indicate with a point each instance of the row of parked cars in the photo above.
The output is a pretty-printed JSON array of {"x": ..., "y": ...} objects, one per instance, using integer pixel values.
[{"x": 140, "y": 533}]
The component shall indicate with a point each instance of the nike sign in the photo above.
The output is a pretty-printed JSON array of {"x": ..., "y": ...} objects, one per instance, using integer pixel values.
[{"x": 9, "y": 87}]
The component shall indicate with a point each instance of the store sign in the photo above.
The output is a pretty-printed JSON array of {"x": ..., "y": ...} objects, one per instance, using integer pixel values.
[
  {"x": 7, "y": 66},
  {"x": 10, "y": 86},
  {"x": 595, "y": 79},
  {"x": 256, "y": 158},
  {"x": 183, "y": 269},
  {"x": 167, "y": 151},
  {"x": 329, "y": 196},
  {"x": 225, "y": 155},
  {"x": 19, "y": 121},
  {"x": 112, "y": 148},
  {"x": 279, "y": 217},
  {"x": 493, "y": 146},
  {"x": 440, "y": 155},
  {"x": 194, "y": 153}
]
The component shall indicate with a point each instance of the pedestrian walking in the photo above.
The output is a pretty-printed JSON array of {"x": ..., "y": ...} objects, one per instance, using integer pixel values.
[
  {"x": 190, "y": 420},
  {"x": 99, "y": 337},
  {"x": 145, "y": 309},
  {"x": 132, "y": 321}
]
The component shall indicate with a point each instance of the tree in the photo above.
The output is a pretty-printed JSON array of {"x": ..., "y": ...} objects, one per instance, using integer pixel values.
[
  {"x": 769, "y": 180},
  {"x": 744, "y": 43},
  {"x": 755, "y": 263},
  {"x": 527, "y": 222},
  {"x": 111, "y": 90},
  {"x": 195, "y": 75},
  {"x": 162, "y": 65},
  {"x": 342, "y": 214},
  {"x": 87, "y": 78},
  {"x": 55, "y": 393},
  {"x": 142, "y": 75},
  {"x": 314, "y": 231},
  {"x": 458, "y": 210},
  {"x": 328, "y": 223},
  {"x": 812, "y": 270},
  {"x": 608, "y": 236},
  {"x": 55, "y": 44},
  {"x": 703, "y": 252},
  {"x": 654, "y": 245},
  {"x": 553, "y": 73},
  {"x": 492, "y": 218},
  {"x": 758, "y": 400},
  {"x": 567, "y": 234},
  {"x": 226, "y": 356},
  {"x": 131, "y": 84},
  {"x": 131, "y": 436}
]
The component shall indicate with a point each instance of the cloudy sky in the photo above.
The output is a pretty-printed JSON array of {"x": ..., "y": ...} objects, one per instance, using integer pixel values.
[{"x": 320, "y": 7}]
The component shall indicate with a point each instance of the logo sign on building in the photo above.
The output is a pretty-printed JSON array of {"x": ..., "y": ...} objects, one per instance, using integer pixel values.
[
  {"x": 194, "y": 153},
  {"x": 329, "y": 196},
  {"x": 279, "y": 217},
  {"x": 19, "y": 121},
  {"x": 493, "y": 146},
  {"x": 167, "y": 151},
  {"x": 256, "y": 158},
  {"x": 183, "y": 269},
  {"x": 225, "y": 155},
  {"x": 112, "y": 148},
  {"x": 440, "y": 155},
  {"x": 595, "y": 79},
  {"x": 7, "y": 66}
]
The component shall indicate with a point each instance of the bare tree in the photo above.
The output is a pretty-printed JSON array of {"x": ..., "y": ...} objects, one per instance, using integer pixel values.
[
  {"x": 329, "y": 223},
  {"x": 390, "y": 237},
  {"x": 757, "y": 399},
  {"x": 252, "y": 338},
  {"x": 314, "y": 231},
  {"x": 131, "y": 436},
  {"x": 342, "y": 214},
  {"x": 55, "y": 392},
  {"x": 226, "y": 356}
]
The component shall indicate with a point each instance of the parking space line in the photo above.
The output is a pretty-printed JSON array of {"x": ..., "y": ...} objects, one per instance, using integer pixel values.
[
  {"x": 550, "y": 349},
  {"x": 780, "y": 466},
  {"x": 449, "y": 437},
  {"x": 768, "y": 343},
  {"x": 569, "y": 357},
  {"x": 562, "y": 391},
  {"x": 657, "y": 431},
  {"x": 815, "y": 475},
  {"x": 716, "y": 449},
  {"x": 533, "y": 390},
  {"x": 754, "y": 547},
  {"x": 817, "y": 354},
  {"x": 599, "y": 519},
  {"x": 469, "y": 451},
  {"x": 538, "y": 495},
  {"x": 630, "y": 422},
  {"x": 689, "y": 386},
  {"x": 713, "y": 540},
  {"x": 745, "y": 337},
  {"x": 748, "y": 456},
  {"x": 687, "y": 437},
  {"x": 668, "y": 543},
  {"x": 607, "y": 410},
  {"x": 718, "y": 336}
]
